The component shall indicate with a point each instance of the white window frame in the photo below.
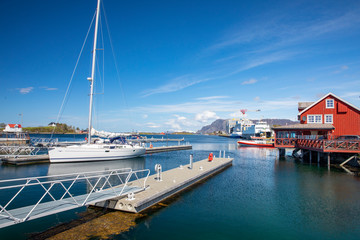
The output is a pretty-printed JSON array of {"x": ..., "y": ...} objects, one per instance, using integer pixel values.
[
  {"x": 328, "y": 101},
  {"x": 328, "y": 115},
  {"x": 314, "y": 118}
]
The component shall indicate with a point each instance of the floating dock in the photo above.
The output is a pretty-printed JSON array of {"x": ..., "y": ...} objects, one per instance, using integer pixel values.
[
  {"x": 44, "y": 158},
  {"x": 167, "y": 148},
  {"x": 172, "y": 182}
]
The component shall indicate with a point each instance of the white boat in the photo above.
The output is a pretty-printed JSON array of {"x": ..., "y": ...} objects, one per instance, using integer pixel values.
[
  {"x": 244, "y": 128},
  {"x": 263, "y": 129},
  {"x": 257, "y": 143},
  {"x": 94, "y": 150}
]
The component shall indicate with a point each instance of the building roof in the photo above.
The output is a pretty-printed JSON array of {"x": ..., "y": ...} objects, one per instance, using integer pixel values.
[
  {"x": 13, "y": 125},
  {"x": 329, "y": 94},
  {"x": 303, "y": 105},
  {"x": 309, "y": 126}
]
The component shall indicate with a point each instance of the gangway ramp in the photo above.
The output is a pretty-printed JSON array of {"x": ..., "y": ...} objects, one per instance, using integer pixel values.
[{"x": 57, "y": 193}]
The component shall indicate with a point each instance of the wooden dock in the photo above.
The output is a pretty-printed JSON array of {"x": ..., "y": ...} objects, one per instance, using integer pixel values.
[
  {"x": 37, "y": 159},
  {"x": 172, "y": 182}
]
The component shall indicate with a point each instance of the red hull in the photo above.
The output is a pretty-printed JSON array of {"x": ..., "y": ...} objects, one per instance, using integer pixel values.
[{"x": 255, "y": 144}]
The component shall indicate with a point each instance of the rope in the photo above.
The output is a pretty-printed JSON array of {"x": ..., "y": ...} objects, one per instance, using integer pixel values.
[
  {"x": 72, "y": 76},
  {"x": 116, "y": 65}
]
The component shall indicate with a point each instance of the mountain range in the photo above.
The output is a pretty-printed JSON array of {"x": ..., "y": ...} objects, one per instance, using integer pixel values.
[{"x": 220, "y": 125}]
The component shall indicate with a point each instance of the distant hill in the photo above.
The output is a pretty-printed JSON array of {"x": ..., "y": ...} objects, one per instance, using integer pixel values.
[
  {"x": 217, "y": 125},
  {"x": 220, "y": 125}
]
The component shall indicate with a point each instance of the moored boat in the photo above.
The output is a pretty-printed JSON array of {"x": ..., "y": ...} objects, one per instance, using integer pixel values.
[
  {"x": 256, "y": 143},
  {"x": 101, "y": 150}
]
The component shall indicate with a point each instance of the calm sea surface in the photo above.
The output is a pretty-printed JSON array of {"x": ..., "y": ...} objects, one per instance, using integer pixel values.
[{"x": 259, "y": 197}]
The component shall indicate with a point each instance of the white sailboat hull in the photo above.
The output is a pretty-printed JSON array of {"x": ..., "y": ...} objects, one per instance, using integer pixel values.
[{"x": 94, "y": 152}]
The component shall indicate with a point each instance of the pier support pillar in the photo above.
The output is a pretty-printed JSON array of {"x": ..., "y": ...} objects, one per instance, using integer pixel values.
[
  {"x": 310, "y": 157},
  {"x": 318, "y": 157},
  {"x": 282, "y": 152},
  {"x": 328, "y": 160}
]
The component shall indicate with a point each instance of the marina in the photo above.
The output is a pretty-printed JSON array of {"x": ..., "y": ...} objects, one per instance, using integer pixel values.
[
  {"x": 267, "y": 188},
  {"x": 180, "y": 120}
]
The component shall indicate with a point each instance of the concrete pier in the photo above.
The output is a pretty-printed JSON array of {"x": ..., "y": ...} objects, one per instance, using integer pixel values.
[{"x": 172, "y": 182}]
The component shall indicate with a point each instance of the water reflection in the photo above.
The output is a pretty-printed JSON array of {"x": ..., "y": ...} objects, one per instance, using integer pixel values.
[
  {"x": 313, "y": 195},
  {"x": 64, "y": 168}
]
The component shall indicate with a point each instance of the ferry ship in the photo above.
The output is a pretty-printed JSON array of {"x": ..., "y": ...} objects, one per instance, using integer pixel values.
[{"x": 245, "y": 128}]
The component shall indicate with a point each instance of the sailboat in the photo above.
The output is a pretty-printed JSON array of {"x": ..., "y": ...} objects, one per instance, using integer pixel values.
[{"x": 94, "y": 150}]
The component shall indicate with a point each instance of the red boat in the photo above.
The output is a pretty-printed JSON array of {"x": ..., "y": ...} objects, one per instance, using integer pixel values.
[{"x": 256, "y": 143}]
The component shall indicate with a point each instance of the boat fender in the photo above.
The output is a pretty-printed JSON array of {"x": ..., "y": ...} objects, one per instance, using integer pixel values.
[
  {"x": 211, "y": 156},
  {"x": 151, "y": 146}
]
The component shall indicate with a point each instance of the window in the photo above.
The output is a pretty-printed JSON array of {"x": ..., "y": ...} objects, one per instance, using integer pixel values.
[
  {"x": 328, "y": 118},
  {"x": 314, "y": 119},
  {"x": 329, "y": 103},
  {"x": 311, "y": 118}
]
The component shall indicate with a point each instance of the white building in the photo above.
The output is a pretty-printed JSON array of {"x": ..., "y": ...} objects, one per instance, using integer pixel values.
[{"x": 13, "y": 128}]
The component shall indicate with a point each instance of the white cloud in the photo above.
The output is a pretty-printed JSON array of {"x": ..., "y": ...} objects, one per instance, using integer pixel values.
[
  {"x": 25, "y": 90},
  {"x": 278, "y": 33},
  {"x": 257, "y": 98},
  {"x": 152, "y": 125},
  {"x": 250, "y": 81},
  {"x": 175, "y": 84},
  {"x": 212, "y": 97},
  {"x": 205, "y": 116},
  {"x": 236, "y": 114},
  {"x": 49, "y": 88},
  {"x": 180, "y": 123},
  {"x": 145, "y": 116},
  {"x": 341, "y": 69}
]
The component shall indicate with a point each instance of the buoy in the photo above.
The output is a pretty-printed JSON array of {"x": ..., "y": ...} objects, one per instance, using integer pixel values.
[
  {"x": 151, "y": 146},
  {"x": 210, "y": 157}
]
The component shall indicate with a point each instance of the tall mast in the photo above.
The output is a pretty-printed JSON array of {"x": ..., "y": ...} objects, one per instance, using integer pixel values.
[{"x": 93, "y": 71}]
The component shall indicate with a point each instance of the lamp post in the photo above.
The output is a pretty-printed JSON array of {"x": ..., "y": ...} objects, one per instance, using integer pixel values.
[{"x": 21, "y": 114}]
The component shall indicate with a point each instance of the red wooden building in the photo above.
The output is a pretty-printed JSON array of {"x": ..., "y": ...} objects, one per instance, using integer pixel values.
[
  {"x": 333, "y": 110},
  {"x": 324, "y": 126}
]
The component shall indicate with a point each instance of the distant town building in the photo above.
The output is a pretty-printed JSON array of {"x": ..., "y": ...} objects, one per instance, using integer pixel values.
[
  {"x": 52, "y": 124},
  {"x": 13, "y": 128}
]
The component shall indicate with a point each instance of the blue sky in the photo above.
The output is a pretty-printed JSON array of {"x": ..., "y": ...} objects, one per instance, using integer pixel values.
[{"x": 182, "y": 64}]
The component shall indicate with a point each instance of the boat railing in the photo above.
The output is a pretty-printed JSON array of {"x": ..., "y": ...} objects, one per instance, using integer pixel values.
[{"x": 28, "y": 198}]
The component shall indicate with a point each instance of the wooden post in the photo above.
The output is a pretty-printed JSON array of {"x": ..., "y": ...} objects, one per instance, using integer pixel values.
[
  {"x": 347, "y": 160},
  {"x": 328, "y": 160},
  {"x": 310, "y": 152},
  {"x": 318, "y": 157},
  {"x": 282, "y": 152}
]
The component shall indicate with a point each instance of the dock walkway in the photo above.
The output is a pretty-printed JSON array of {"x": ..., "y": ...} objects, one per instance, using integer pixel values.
[
  {"x": 63, "y": 192},
  {"x": 173, "y": 181}
]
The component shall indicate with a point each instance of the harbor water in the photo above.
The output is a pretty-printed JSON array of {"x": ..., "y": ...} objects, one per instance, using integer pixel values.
[{"x": 259, "y": 197}]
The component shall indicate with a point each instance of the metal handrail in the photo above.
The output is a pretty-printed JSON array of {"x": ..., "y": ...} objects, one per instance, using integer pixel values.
[
  {"x": 13, "y": 151},
  {"x": 47, "y": 185}
]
